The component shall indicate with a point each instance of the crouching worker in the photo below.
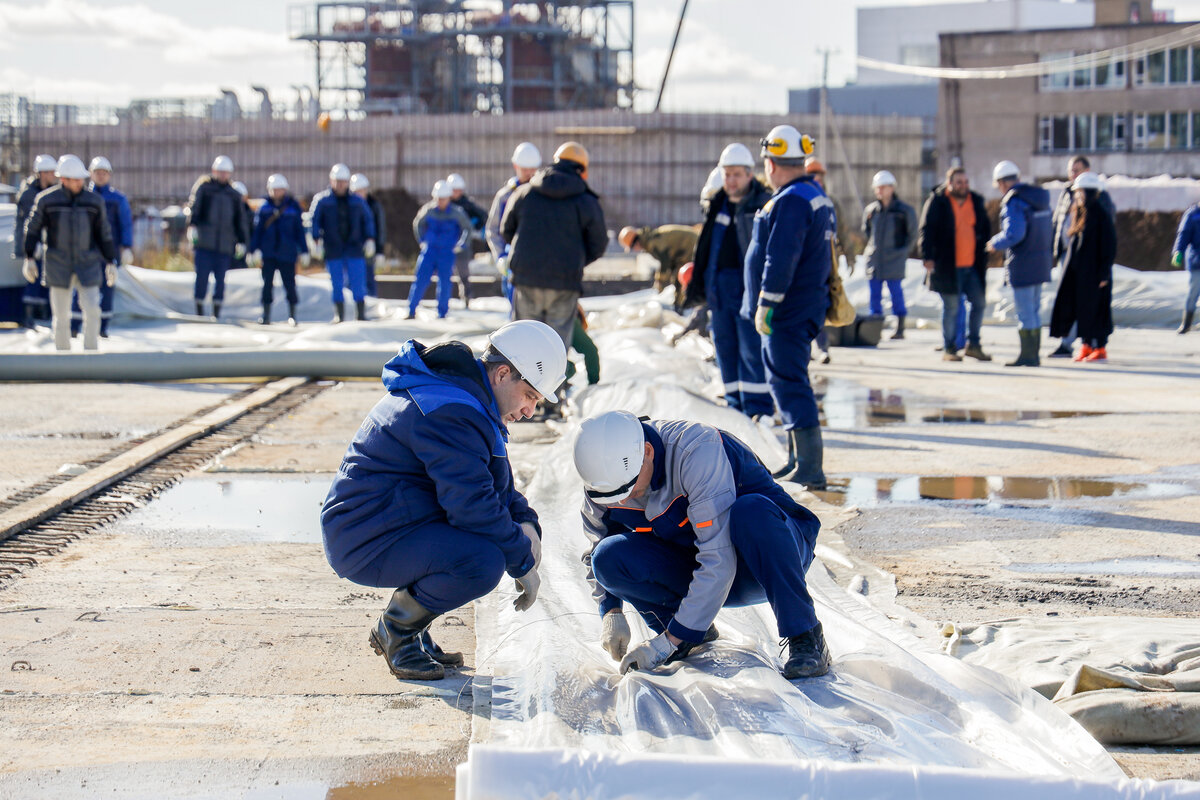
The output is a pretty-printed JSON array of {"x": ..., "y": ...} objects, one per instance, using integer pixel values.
[
  {"x": 684, "y": 520},
  {"x": 424, "y": 499}
]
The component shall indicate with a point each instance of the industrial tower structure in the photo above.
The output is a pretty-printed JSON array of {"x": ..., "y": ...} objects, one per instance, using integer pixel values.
[{"x": 463, "y": 56}]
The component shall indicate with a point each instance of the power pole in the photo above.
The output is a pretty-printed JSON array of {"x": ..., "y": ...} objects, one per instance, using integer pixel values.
[{"x": 662, "y": 86}]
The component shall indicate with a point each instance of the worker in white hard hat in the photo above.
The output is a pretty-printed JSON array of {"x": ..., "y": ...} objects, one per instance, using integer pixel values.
[
  {"x": 79, "y": 252},
  {"x": 684, "y": 520},
  {"x": 343, "y": 233},
  {"x": 442, "y": 230},
  {"x": 787, "y": 293},
  {"x": 719, "y": 279},
  {"x": 36, "y": 297},
  {"x": 478, "y": 217},
  {"x": 1026, "y": 234},
  {"x": 219, "y": 229},
  {"x": 120, "y": 221},
  {"x": 424, "y": 502},
  {"x": 362, "y": 187},
  {"x": 526, "y": 160},
  {"x": 276, "y": 243},
  {"x": 890, "y": 227}
]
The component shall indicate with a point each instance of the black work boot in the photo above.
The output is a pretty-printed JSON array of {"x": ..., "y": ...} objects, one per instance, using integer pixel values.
[
  {"x": 1029, "y": 349},
  {"x": 265, "y": 319},
  {"x": 899, "y": 334},
  {"x": 216, "y": 309},
  {"x": 397, "y": 637},
  {"x": 360, "y": 310},
  {"x": 791, "y": 459},
  {"x": 1062, "y": 351},
  {"x": 199, "y": 308},
  {"x": 808, "y": 657},
  {"x": 439, "y": 655},
  {"x": 340, "y": 308},
  {"x": 292, "y": 314},
  {"x": 810, "y": 457},
  {"x": 1186, "y": 325}
]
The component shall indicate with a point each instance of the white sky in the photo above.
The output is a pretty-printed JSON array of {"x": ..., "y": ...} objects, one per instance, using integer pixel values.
[{"x": 734, "y": 55}]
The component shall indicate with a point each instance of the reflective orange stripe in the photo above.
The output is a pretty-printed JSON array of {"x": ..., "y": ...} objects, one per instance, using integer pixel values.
[
  {"x": 705, "y": 524},
  {"x": 685, "y": 522},
  {"x": 643, "y": 530}
]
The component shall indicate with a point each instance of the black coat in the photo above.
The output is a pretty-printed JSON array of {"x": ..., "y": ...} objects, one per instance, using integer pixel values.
[
  {"x": 220, "y": 216},
  {"x": 936, "y": 241},
  {"x": 78, "y": 237},
  {"x": 1087, "y": 263},
  {"x": 556, "y": 227},
  {"x": 756, "y": 197}
]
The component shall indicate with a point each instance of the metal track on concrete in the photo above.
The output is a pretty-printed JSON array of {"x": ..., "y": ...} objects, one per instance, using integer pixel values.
[{"x": 28, "y": 545}]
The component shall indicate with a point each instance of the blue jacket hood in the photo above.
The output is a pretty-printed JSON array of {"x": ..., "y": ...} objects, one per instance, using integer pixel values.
[
  {"x": 1037, "y": 197},
  {"x": 438, "y": 371}
]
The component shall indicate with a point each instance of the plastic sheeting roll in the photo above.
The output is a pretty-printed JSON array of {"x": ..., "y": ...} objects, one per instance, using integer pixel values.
[{"x": 193, "y": 364}]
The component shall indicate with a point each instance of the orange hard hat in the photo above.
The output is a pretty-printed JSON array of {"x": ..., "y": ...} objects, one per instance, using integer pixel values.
[
  {"x": 323, "y": 122},
  {"x": 627, "y": 237},
  {"x": 685, "y": 274},
  {"x": 573, "y": 151},
  {"x": 813, "y": 166}
]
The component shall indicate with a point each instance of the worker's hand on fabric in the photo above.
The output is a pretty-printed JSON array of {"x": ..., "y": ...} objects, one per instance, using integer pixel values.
[
  {"x": 126, "y": 256},
  {"x": 239, "y": 250},
  {"x": 193, "y": 235},
  {"x": 762, "y": 320},
  {"x": 369, "y": 248},
  {"x": 535, "y": 541},
  {"x": 305, "y": 260},
  {"x": 502, "y": 265},
  {"x": 614, "y": 634},
  {"x": 110, "y": 274},
  {"x": 29, "y": 270},
  {"x": 649, "y": 654},
  {"x": 528, "y": 585}
]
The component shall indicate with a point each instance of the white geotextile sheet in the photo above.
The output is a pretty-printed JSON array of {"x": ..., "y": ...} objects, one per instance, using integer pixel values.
[{"x": 888, "y": 699}]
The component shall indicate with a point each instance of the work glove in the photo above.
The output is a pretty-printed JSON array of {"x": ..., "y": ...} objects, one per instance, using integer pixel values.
[
  {"x": 649, "y": 654},
  {"x": 254, "y": 260},
  {"x": 193, "y": 235},
  {"x": 1177, "y": 258},
  {"x": 528, "y": 585},
  {"x": 535, "y": 542},
  {"x": 762, "y": 320},
  {"x": 239, "y": 250},
  {"x": 369, "y": 248},
  {"x": 379, "y": 261},
  {"x": 502, "y": 265},
  {"x": 110, "y": 274},
  {"x": 126, "y": 256},
  {"x": 614, "y": 634},
  {"x": 29, "y": 270},
  {"x": 305, "y": 260},
  {"x": 457, "y": 249},
  {"x": 318, "y": 250}
]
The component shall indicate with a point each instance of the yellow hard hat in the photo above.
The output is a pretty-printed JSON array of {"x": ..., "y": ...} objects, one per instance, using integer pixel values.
[
  {"x": 627, "y": 236},
  {"x": 573, "y": 151}
]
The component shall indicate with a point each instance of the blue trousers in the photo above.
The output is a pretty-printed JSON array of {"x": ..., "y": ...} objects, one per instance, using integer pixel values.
[
  {"x": 210, "y": 262},
  {"x": 740, "y": 360},
  {"x": 1029, "y": 306},
  {"x": 773, "y": 553},
  {"x": 287, "y": 274},
  {"x": 443, "y": 567},
  {"x": 372, "y": 289},
  {"x": 971, "y": 291},
  {"x": 433, "y": 260},
  {"x": 341, "y": 269},
  {"x": 1193, "y": 288},
  {"x": 786, "y": 354},
  {"x": 895, "y": 291}
]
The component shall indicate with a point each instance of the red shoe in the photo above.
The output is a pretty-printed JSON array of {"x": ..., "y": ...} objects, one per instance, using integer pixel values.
[
  {"x": 1084, "y": 352},
  {"x": 1098, "y": 354}
]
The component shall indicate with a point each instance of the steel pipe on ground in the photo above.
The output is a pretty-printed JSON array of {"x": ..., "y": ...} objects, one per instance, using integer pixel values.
[{"x": 193, "y": 365}]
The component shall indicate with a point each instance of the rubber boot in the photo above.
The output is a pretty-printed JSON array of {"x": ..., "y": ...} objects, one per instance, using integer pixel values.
[
  {"x": 27, "y": 320},
  {"x": 810, "y": 456},
  {"x": 360, "y": 310},
  {"x": 438, "y": 654},
  {"x": 791, "y": 459},
  {"x": 199, "y": 308},
  {"x": 808, "y": 656},
  {"x": 1029, "y": 349},
  {"x": 216, "y": 309},
  {"x": 899, "y": 334},
  {"x": 265, "y": 319},
  {"x": 1186, "y": 325},
  {"x": 340, "y": 309},
  {"x": 397, "y": 637},
  {"x": 103, "y": 328},
  {"x": 292, "y": 314}
]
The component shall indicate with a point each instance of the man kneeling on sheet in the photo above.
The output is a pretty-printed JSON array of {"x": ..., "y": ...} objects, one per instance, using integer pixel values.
[{"x": 684, "y": 520}]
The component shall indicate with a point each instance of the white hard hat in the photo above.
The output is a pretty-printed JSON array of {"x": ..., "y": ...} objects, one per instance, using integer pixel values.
[
  {"x": 1005, "y": 169},
  {"x": 441, "y": 191},
  {"x": 222, "y": 164},
  {"x": 240, "y": 188},
  {"x": 527, "y": 156},
  {"x": 71, "y": 167},
  {"x": 883, "y": 178},
  {"x": 358, "y": 182},
  {"x": 339, "y": 172},
  {"x": 1088, "y": 180},
  {"x": 714, "y": 184},
  {"x": 535, "y": 351},
  {"x": 456, "y": 182},
  {"x": 45, "y": 163},
  {"x": 736, "y": 155},
  {"x": 609, "y": 452},
  {"x": 785, "y": 143},
  {"x": 100, "y": 162},
  {"x": 277, "y": 181}
]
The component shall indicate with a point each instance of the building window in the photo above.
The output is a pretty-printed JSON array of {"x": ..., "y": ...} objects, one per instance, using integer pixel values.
[
  {"x": 1060, "y": 79},
  {"x": 1110, "y": 75},
  {"x": 1156, "y": 68},
  {"x": 1195, "y": 63},
  {"x": 1177, "y": 60},
  {"x": 1196, "y": 130},
  {"x": 1177, "y": 129},
  {"x": 1082, "y": 78},
  {"x": 1081, "y": 132},
  {"x": 1150, "y": 131}
]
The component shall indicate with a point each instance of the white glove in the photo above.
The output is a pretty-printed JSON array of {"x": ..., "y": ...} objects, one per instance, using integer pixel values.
[
  {"x": 29, "y": 270},
  {"x": 649, "y": 654},
  {"x": 254, "y": 259},
  {"x": 535, "y": 542},
  {"x": 318, "y": 250},
  {"x": 528, "y": 585},
  {"x": 379, "y": 261},
  {"x": 614, "y": 634},
  {"x": 126, "y": 256},
  {"x": 305, "y": 260},
  {"x": 193, "y": 235},
  {"x": 110, "y": 274},
  {"x": 502, "y": 265},
  {"x": 239, "y": 250},
  {"x": 369, "y": 248},
  {"x": 457, "y": 250}
]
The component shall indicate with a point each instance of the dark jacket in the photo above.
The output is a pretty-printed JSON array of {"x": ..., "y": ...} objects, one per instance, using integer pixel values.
[
  {"x": 30, "y": 188},
  {"x": 78, "y": 237},
  {"x": 380, "y": 220},
  {"x": 556, "y": 227},
  {"x": 473, "y": 210},
  {"x": 756, "y": 197},
  {"x": 433, "y": 450},
  {"x": 936, "y": 241},
  {"x": 343, "y": 224},
  {"x": 1061, "y": 220},
  {"x": 1087, "y": 262},
  {"x": 1026, "y": 233},
  {"x": 279, "y": 230},
  {"x": 219, "y": 215},
  {"x": 890, "y": 234}
]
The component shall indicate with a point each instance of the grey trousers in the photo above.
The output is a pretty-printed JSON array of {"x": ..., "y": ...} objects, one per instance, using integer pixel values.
[
  {"x": 60, "y": 313},
  {"x": 462, "y": 265},
  {"x": 555, "y": 307}
]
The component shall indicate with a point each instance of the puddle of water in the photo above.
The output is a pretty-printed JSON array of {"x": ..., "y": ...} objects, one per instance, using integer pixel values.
[
  {"x": 1144, "y": 567},
  {"x": 862, "y": 491}
]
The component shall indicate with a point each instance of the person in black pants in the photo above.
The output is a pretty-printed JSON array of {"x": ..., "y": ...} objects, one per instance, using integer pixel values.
[{"x": 276, "y": 242}]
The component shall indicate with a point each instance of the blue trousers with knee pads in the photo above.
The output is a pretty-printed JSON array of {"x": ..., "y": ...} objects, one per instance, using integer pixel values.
[
  {"x": 433, "y": 260},
  {"x": 773, "y": 549},
  {"x": 353, "y": 269},
  {"x": 210, "y": 262}
]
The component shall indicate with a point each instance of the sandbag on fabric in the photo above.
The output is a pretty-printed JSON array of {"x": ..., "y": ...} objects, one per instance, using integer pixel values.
[{"x": 1126, "y": 716}]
